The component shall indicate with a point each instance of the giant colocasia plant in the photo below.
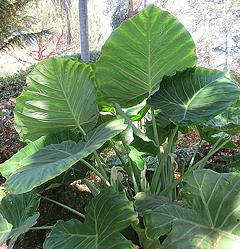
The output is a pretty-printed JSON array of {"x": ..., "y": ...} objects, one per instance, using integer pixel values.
[{"x": 69, "y": 111}]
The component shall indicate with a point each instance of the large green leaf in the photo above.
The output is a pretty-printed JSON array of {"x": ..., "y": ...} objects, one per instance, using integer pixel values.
[
  {"x": 212, "y": 135},
  {"x": 18, "y": 160},
  {"x": 55, "y": 159},
  {"x": 140, "y": 53},
  {"x": 20, "y": 212},
  {"x": 212, "y": 219},
  {"x": 60, "y": 94},
  {"x": 107, "y": 215},
  {"x": 195, "y": 95},
  {"x": 144, "y": 241},
  {"x": 76, "y": 172}
]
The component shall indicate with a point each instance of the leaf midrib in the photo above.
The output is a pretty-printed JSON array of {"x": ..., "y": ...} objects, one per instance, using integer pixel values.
[
  {"x": 195, "y": 224},
  {"x": 186, "y": 106},
  {"x": 149, "y": 57},
  {"x": 68, "y": 104}
]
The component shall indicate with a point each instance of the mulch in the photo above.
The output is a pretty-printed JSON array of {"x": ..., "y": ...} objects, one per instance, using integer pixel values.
[{"x": 9, "y": 139}]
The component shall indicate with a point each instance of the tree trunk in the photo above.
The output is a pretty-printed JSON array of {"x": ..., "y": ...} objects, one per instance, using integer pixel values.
[
  {"x": 133, "y": 7},
  {"x": 69, "y": 34},
  {"x": 83, "y": 21},
  {"x": 130, "y": 8},
  {"x": 144, "y": 3},
  {"x": 226, "y": 51}
]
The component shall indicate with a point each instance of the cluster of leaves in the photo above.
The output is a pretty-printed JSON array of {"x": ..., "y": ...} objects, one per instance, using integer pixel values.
[{"x": 71, "y": 110}]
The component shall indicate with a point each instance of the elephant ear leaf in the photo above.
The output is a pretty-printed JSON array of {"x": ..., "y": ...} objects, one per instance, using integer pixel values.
[
  {"x": 195, "y": 95},
  {"x": 107, "y": 215},
  {"x": 60, "y": 94},
  {"x": 211, "y": 220},
  {"x": 52, "y": 160},
  {"x": 20, "y": 213},
  {"x": 18, "y": 160},
  {"x": 140, "y": 53}
]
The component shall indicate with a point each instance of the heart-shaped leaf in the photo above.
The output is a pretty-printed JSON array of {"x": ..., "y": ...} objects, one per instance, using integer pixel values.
[
  {"x": 211, "y": 220},
  {"x": 53, "y": 160},
  {"x": 107, "y": 215},
  {"x": 140, "y": 53},
  {"x": 60, "y": 94},
  {"x": 195, "y": 95}
]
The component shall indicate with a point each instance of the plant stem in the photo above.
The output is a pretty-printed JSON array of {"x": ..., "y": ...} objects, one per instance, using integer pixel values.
[
  {"x": 130, "y": 168},
  {"x": 96, "y": 172},
  {"x": 158, "y": 176},
  {"x": 95, "y": 155},
  {"x": 155, "y": 132},
  {"x": 41, "y": 228},
  {"x": 82, "y": 131},
  {"x": 129, "y": 190},
  {"x": 194, "y": 155},
  {"x": 64, "y": 206},
  {"x": 200, "y": 164},
  {"x": 100, "y": 164},
  {"x": 92, "y": 188},
  {"x": 135, "y": 185}
]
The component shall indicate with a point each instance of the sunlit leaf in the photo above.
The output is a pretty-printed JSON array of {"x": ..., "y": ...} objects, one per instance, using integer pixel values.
[
  {"x": 140, "y": 52},
  {"x": 60, "y": 94}
]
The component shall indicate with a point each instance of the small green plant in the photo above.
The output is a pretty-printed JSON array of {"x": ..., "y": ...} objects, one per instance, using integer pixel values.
[{"x": 70, "y": 111}]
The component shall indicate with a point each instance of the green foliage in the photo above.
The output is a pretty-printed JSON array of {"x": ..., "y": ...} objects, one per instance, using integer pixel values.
[
  {"x": 20, "y": 213},
  {"x": 101, "y": 228},
  {"x": 71, "y": 111},
  {"x": 210, "y": 219},
  {"x": 52, "y": 160},
  {"x": 194, "y": 95},
  {"x": 158, "y": 51},
  {"x": 53, "y": 103},
  {"x": 19, "y": 77},
  {"x": 228, "y": 121}
]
